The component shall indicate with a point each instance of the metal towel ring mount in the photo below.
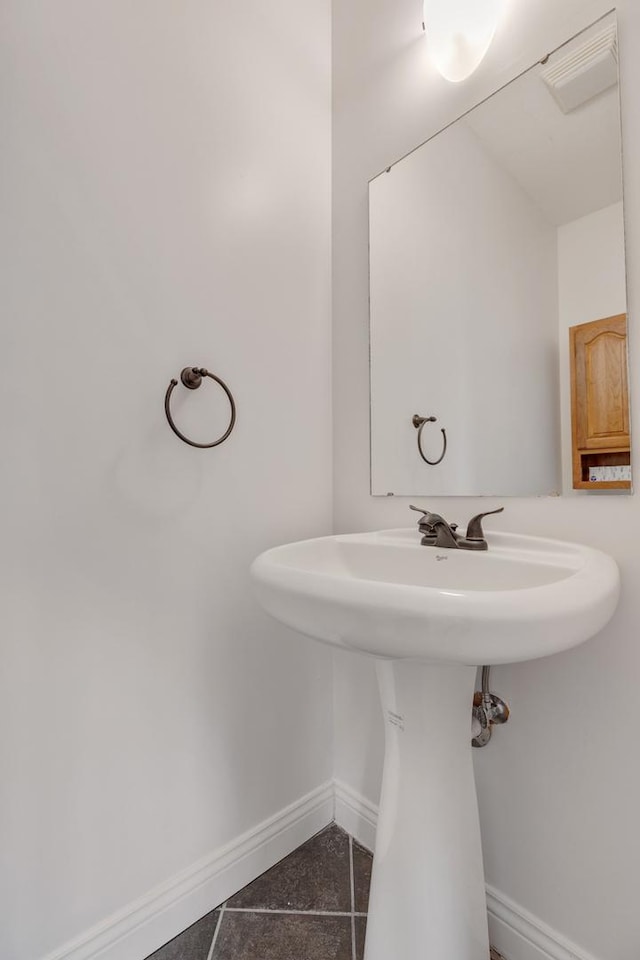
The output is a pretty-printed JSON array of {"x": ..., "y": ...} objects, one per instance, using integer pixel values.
[
  {"x": 191, "y": 378},
  {"x": 419, "y": 423}
]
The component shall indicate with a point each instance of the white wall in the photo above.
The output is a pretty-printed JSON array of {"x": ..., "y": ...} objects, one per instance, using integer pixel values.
[
  {"x": 591, "y": 285},
  {"x": 444, "y": 348},
  {"x": 165, "y": 200},
  {"x": 559, "y": 786}
]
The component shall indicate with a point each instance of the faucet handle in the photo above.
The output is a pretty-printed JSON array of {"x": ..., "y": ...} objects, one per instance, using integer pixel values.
[
  {"x": 430, "y": 519},
  {"x": 425, "y": 527},
  {"x": 435, "y": 529},
  {"x": 474, "y": 527}
]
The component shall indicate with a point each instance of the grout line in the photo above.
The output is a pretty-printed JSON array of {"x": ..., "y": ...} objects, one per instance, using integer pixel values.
[
  {"x": 301, "y": 913},
  {"x": 353, "y": 900},
  {"x": 216, "y": 931}
]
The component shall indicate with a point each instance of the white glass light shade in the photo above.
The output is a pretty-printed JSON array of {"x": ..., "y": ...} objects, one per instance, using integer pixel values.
[{"x": 459, "y": 33}]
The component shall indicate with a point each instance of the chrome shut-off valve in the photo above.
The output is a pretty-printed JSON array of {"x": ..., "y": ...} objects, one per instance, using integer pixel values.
[{"x": 488, "y": 709}]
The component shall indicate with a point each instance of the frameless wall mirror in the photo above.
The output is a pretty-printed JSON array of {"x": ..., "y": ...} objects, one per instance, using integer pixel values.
[{"x": 487, "y": 244}]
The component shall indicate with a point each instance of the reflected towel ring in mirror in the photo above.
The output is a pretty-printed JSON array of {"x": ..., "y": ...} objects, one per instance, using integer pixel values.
[
  {"x": 419, "y": 423},
  {"x": 191, "y": 378}
]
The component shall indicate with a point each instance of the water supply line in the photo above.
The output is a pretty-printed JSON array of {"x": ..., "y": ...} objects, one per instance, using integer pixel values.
[{"x": 487, "y": 710}]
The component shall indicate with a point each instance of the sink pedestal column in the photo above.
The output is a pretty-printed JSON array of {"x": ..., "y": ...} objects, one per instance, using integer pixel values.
[{"x": 427, "y": 892}]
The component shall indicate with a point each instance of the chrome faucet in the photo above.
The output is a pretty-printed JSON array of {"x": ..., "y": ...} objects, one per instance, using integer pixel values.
[{"x": 438, "y": 533}]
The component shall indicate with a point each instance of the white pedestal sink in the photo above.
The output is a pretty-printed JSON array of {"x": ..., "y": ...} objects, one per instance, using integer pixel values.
[{"x": 430, "y": 616}]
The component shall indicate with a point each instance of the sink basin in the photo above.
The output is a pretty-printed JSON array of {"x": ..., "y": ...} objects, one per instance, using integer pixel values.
[
  {"x": 384, "y": 594},
  {"x": 429, "y": 616}
]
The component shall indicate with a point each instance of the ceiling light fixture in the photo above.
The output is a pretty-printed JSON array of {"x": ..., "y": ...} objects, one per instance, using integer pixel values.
[{"x": 460, "y": 33}]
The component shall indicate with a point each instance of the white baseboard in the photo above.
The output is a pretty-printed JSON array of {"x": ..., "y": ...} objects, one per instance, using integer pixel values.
[
  {"x": 519, "y": 935},
  {"x": 513, "y": 931},
  {"x": 355, "y": 814},
  {"x": 144, "y": 925}
]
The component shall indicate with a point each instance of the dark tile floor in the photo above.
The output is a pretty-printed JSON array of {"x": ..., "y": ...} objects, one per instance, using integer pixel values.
[{"x": 310, "y": 906}]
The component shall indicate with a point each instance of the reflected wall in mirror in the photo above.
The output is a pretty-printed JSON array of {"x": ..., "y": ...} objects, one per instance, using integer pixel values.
[{"x": 487, "y": 243}]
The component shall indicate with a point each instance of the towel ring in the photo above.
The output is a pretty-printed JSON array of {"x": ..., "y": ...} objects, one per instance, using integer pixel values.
[
  {"x": 191, "y": 378},
  {"x": 419, "y": 423}
]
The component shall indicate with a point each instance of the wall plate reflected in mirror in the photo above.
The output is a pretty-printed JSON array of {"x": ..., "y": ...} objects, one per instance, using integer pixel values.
[{"x": 487, "y": 244}]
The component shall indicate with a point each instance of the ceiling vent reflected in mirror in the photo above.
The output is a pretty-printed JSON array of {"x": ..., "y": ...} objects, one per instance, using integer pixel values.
[{"x": 585, "y": 73}]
